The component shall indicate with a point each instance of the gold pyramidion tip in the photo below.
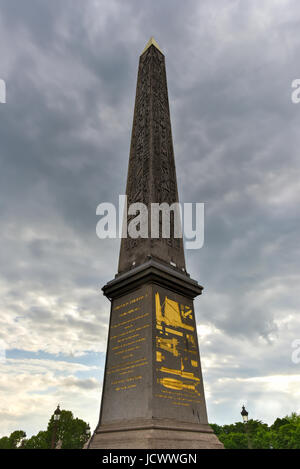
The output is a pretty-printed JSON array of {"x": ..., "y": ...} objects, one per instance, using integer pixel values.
[{"x": 152, "y": 42}]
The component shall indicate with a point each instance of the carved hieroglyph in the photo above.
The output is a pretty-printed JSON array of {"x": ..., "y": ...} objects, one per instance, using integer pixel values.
[{"x": 151, "y": 171}]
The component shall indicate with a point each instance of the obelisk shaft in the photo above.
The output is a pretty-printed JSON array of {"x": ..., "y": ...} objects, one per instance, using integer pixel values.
[{"x": 151, "y": 170}]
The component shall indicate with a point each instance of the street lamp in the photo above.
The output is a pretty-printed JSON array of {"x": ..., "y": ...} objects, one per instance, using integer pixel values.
[
  {"x": 88, "y": 437},
  {"x": 56, "y": 417},
  {"x": 244, "y": 414},
  {"x": 57, "y": 413}
]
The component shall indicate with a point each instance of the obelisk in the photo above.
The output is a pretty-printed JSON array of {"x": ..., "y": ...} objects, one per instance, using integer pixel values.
[{"x": 153, "y": 394}]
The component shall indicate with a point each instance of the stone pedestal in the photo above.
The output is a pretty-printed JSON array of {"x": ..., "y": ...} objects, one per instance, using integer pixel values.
[
  {"x": 160, "y": 434},
  {"x": 153, "y": 394}
]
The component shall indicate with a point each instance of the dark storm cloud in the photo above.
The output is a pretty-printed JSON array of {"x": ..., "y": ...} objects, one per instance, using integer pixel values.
[{"x": 70, "y": 69}]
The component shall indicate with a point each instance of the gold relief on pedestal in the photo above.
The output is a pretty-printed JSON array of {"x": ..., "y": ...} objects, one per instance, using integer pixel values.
[{"x": 176, "y": 344}]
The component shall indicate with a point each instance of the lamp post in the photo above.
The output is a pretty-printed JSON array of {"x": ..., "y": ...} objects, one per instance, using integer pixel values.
[
  {"x": 88, "y": 435},
  {"x": 245, "y": 414},
  {"x": 56, "y": 417}
]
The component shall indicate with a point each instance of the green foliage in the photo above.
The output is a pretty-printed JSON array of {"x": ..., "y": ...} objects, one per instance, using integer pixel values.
[
  {"x": 13, "y": 441},
  {"x": 284, "y": 433},
  {"x": 278, "y": 423},
  {"x": 234, "y": 440},
  {"x": 4, "y": 443},
  {"x": 39, "y": 441},
  {"x": 287, "y": 437},
  {"x": 216, "y": 428},
  {"x": 69, "y": 433},
  {"x": 237, "y": 427}
]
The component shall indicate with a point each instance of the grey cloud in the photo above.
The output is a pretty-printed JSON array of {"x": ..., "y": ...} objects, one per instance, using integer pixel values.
[
  {"x": 84, "y": 384},
  {"x": 71, "y": 70}
]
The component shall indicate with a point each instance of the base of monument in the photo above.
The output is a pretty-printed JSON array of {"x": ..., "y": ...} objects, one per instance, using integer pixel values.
[{"x": 154, "y": 435}]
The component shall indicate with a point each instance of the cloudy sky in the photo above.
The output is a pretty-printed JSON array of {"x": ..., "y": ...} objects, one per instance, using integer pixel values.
[{"x": 70, "y": 68}]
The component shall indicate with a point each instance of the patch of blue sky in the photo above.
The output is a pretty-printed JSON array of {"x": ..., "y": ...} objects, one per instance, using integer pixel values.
[{"x": 88, "y": 358}]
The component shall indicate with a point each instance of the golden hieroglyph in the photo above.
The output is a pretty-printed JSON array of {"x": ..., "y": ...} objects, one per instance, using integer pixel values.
[
  {"x": 175, "y": 336},
  {"x": 172, "y": 315},
  {"x": 170, "y": 345},
  {"x": 178, "y": 385}
]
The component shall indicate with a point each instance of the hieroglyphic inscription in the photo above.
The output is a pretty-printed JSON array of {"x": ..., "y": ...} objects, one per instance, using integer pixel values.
[
  {"x": 126, "y": 355},
  {"x": 177, "y": 372},
  {"x": 151, "y": 171}
]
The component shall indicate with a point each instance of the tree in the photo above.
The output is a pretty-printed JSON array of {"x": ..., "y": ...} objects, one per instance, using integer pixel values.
[
  {"x": 13, "y": 441},
  {"x": 71, "y": 432},
  {"x": 237, "y": 427},
  {"x": 216, "y": 428},
  {"x": 262, "y": 439},
  {"x": 39, "y": 441},
  {"x": 284, "y": 433},
  {"x": 234, "y": 440},
  {"x": 287, "y": 437},
  {"x": 278, "y": 423},
  {"x": 4, "y": 443}
]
